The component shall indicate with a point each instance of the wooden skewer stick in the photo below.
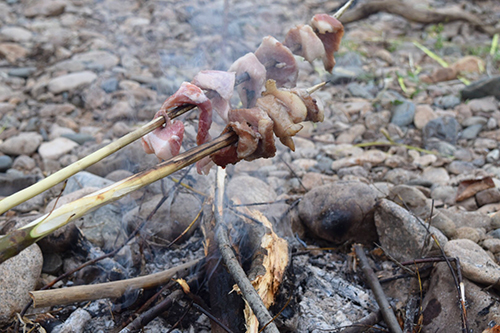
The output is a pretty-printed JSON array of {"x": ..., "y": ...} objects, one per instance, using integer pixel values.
[
  {"x": 63, "y": 174},
  {"x": 115, "y": 289},
  {"x": 17, "y": 240}
]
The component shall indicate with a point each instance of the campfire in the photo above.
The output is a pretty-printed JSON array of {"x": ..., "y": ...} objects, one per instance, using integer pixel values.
[{"x": 271, "y": 105}]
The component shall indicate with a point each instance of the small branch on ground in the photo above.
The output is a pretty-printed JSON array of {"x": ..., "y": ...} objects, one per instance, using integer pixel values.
[
  {"x": 366, "y": 322},
  {"x": 378, "y": 292},
  {"x": 248, "y": 291},
  {"x": 115, "y": 289}
]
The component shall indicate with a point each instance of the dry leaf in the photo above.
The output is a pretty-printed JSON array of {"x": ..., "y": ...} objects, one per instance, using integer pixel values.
[
  {"x": 469, "y": 188},
  {"x": 184, "y": 285}
]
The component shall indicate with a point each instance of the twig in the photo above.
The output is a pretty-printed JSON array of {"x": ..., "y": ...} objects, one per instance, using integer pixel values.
[
  {"x": 368, "y": 321},
  {"x": 115, "y": 289},
  {"x": 372, "y": 280},
  {"x": 152, "y": 313},
  {"x": 248, "y": 291},
  {"x": 342, "y": 9},
  {"x": 211, "y": 317},
  {"x": 17, "y": 240}
]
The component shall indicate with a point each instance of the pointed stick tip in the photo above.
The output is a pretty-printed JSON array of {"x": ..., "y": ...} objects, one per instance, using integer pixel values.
[{"x": 316, "y": 87}]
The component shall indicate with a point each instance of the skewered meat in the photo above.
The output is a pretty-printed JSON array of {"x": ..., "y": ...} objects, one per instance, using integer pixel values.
[
  {"x": 222, "y": 85},
  {"x": 251, "y": 89},
  {"x": 279, "y": 62},
  {"x": 315, "y": 112},
  {"x": 165, "y": 142},
  {"x": 302, "y": 41},
  {"x": 330, "y": 31}
]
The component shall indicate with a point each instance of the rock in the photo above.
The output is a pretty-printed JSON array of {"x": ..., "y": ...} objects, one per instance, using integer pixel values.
[
  {"x": 18, "y": 276},
  {"x": 97, "y": 60},
  {"x": 54, "y": 149},
  {"x": 436, "y": 175},
  {"x": 171, "y": 219},
  {"x": 110, "y": 85},
  {"x": 476, "y": 120},
  {"x": 403, "y": 114},
  {"x": 45, "y": 8},
  {"x": 476, "y": 263},
  {"x": 471, "y": 132},
  {"x": 75, "y": 323},
  {"x": 377, "y": 120},
  {"x": 468, "y": 219},
  {"x": 423, "y": 114},
  {"x": 469, "y": 233},
  {"x": 118, "y": 175},
  {"x": 461, "y": 167},
  {"x": 24, "y": 163},
  {"x": 495, "y": 221},
  {"x": 23, "y": 72},
  {"x": 445, "y": 194},
  {"x": 12, "y": 52},
  {"x": 425, "y": 160},
  {"x": 12, "y": 183},
  {"x": 410, "y": 198},
  {"x": 311, "y": 180},
  {"x": 373, "y": 157},
  {"x": 85, "y": 179},
  {"x": 5, "y": 163},
  {"x": 447, "y": 102},
  {"x": 71, "y": 81},
  {"x": 442, "y": 128},
  {"x": 357, "y": 171},
  {"x": 15, "y": 34},
  {"x": 121, "y": 110},
  {"x": 485, "y": 104},
  {"x": 441, "y": 310},
  {"x": 357, "y": 90},
  {"x": 400, "y": 233},
  {"x": 351, "y": 134},
  {"x": 469, "y": 64},
  {"x": 340, "y": 212},
  {"x": 25, "y": 143},
  {"x": 51, "y": 110},
  {"x": 492, "y": 245},
  {"x": 491, "y": 195},
  {"x": 482, "y": 88}
]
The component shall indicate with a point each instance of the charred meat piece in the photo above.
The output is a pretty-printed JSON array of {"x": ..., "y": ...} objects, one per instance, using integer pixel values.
[
  {"x": 294, "y": 104},
  {"x": 279, "y": 62},
  {"x": 222, "y": 85},
  {"x": 251, "y": 89},
  {"x": 330, "y": 31},
  {"x": 302, "y": 41},
  {"x": 255, "y": 137},
  {"x": 165, "y": 142}
]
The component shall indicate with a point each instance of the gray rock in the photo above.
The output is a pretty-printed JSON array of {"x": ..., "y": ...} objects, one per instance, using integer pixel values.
[
  {"x": 493, "y": 156},
  {"x": 441, "y": 312},
  {"x": 118, "y": 175},
  {"x": 45, "y": 8},
  {"x": 16, "y": 34},
  {"x": 471, "y": 132},
  {"x": 85, "y": 179},
  {"x": 357, "y": 171},
  {"x": 54, "y": 149},
  {"x": 18, "y": 276},
  {"x": 403, "y": 114},
  {"x": 52, "y": 263},
  {"x": 11, "y": 183},
  {"x": 462, "y": 218},
  {"x": 482, "y": 88},
  {"x": 476, "y": 120},
  {"x": 423, "y": 114},
  {"x": 121, "y": 110},
  {"x": 25, "y": 143},
  {"x": 447, "y": 102},
  {"x": 491, "y": 195},
  {"x": 71, "y": 81},
  {"x": 410, "y": 198},
  {"x": 79, "y": 138},
  {"x": 75, "y": 323},
  {"x": 357, "y": 90},
  {"x": 377, "y": 120},
  {"x": 442, "y": 147},
  {"x": 171, "y": 219},
  {"x": 5, "y": 163},
  {"x": 442, "y": 128},
  {"x": 400, "y": 233},
  {"x": 97, "y": 60},
  {"x": 476, "y": 263},
  {"x": 340, "y": 212},
  {"x": 110, "y": 85},
  {"x": 445, "y": 194},
  {"x": 23, "y": 72},
  {"x": 436, "y": 175},
  {"x": 52, "y": 110},
  {"x": 473, "y": 234},
  {"x": 342, "y": 74},
  {"x": 461, "y": 167}
]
